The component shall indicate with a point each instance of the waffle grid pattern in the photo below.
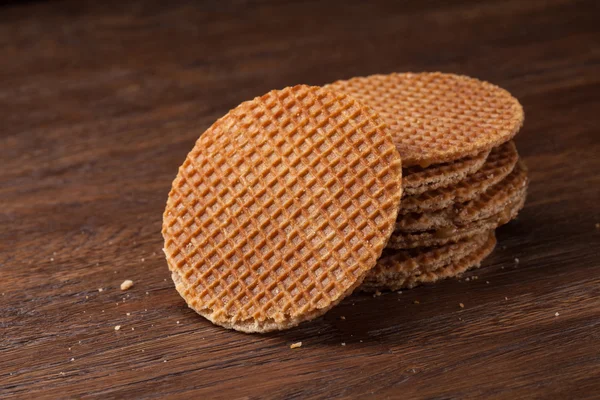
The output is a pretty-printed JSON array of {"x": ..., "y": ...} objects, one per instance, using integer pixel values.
[
  {"x": 281, "y": 208},
  {"x": 436, "y": 117}
]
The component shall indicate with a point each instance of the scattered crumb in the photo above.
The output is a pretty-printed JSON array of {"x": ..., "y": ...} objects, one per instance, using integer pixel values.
[
  {"x": 145, "y": 309},
  {"x": 69, "y": 349},
  {"x": 461, "y": 305},
  {"x": 117, "y": 327},
  {"x": 72, "y": 359},
  {"x": 295, "y": 345},
  {"x": 133, "y": 329},
  {"x": 377, "y": 293},
  {"x": 164, "y": 360},
  {"x": 87, "y": 297},
  {"x": 51, "y": 258},
  {"x": 556, "y": 314},
  {"x": 342, "y": 317},
  {"x": 506, "y": 298},
  {"x": 62, "y": 373},
  {"x": 360, "y": 341},
  {"x": 146, "y": 292},
  {"x": 102, "y": 310},
  {"x": 516, "y": 260},
  {"x": 417, "y": 302},
  {"x": 597, "y": 225},
  {"x": 177, "y": 322},
  {"x": 343, "y": 343},
  {"x": 488, "y": 282},
  {"x": 143, "y": 259},
  {"x": 128, "y": 314},
  {"x": 143, "y": 350},
  {"x": 467, "y": 279},
  {"x": 127, "y": 284},
  {"x": 399, "y": 292}
]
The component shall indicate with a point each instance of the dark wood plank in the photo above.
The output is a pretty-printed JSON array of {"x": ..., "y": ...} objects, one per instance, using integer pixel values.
[{"x": 99, "y": 105}]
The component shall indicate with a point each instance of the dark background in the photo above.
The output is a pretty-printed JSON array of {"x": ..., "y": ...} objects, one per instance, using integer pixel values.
[{"x": 101, "y": 101}]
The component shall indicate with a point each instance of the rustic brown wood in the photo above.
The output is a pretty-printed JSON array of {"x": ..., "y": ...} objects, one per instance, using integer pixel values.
[{"x": 99, "y": 104}]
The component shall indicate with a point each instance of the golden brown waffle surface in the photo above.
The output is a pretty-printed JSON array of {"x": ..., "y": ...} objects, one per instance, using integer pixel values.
[
  {"x": 281, "y": 209},
  {"x": 438, "y": 117}
]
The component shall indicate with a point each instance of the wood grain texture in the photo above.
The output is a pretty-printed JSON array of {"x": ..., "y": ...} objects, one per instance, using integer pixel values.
[{"x": 99, "y": 105}]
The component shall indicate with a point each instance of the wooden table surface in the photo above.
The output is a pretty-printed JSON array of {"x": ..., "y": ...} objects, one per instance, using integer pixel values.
[{"x": 99, "y": 104}]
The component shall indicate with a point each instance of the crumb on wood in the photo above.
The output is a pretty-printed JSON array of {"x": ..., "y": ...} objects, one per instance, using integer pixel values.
[
  {"x": 516, "y": 260},
  {"x": 487, "y": 282},
  {"x": 399, "y": 292},
  {"x": 556, "y": 314},
  {"x": 417, "y": 302},
  {"x": 127, "y": 284},
  {"x": 100, "y": 289},
  {"x": 467, "y": 279},
  {"x": 342, "y": 317},
  {"x": 377, "y": 293},
  {"x": 461, "y": 305},
  {"x": 128, "y": 314},
  {"x": 117, "y": 327},
  {"x": 296, "y": 345},
  {"x": 343, "y": 343},
  {"x": 506, "y": 298},
  {"x": 597, "y": 225}
]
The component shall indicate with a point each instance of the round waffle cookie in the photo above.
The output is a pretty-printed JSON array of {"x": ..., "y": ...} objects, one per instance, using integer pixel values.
[
  {"x": 498, "y": 165},
  {"x": 281, "y": 208},
  {"x": 416, "y": 179},
  {"x": 437, "y": 117},
  {"x": 397, "y": 265},
  {"x": 453, "y": 269},
  {"x": 490, "y": 202},
  {"x": 454, "y": 233}
]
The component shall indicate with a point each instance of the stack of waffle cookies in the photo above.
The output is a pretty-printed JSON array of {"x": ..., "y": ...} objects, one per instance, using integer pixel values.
[
  {"x": 462, "y": 177},
  {"x": 295, "y": 199}
]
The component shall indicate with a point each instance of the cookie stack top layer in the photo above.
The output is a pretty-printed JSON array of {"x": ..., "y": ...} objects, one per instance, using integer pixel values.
[
  {"x": 436, "y": 117},
  {"x": 281, "y": 208}
]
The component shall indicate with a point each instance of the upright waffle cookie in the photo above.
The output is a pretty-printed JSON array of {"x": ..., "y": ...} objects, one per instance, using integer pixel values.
[
  {"x": 436, "y": 117},
  {"x": 416, "y": 179},
  {"x": 454, "y": 233},
  {"x": 397, "y": 265},
  {"x": 490, "y": 202},
  {"x": 281, "y": 209},
  {"x": 453, "y": 269},
  {"x": 498, "y": 165}
]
